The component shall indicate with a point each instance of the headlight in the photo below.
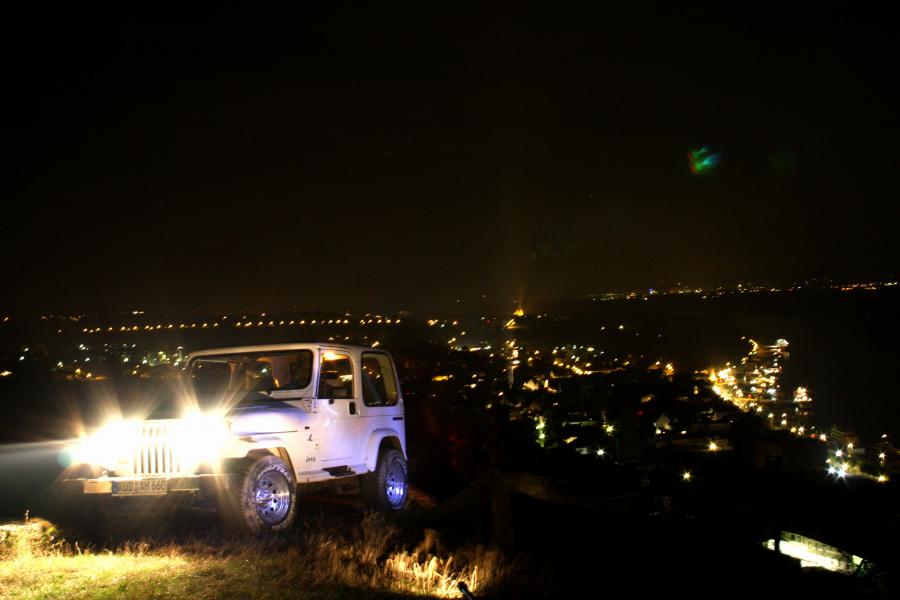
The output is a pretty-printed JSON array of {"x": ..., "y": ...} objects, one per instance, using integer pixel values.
[
  {"x": 111, "y": 443},
  {"x": 201, "y": 438}
]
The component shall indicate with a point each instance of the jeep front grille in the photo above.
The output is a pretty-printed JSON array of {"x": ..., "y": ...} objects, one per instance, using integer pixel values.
[{"x": 156, "y": 453}]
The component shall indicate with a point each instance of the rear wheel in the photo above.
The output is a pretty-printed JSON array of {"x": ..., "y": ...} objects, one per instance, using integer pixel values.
[
  {"x": 265, "y": 497},
  {"x": 387, "y": 487}
]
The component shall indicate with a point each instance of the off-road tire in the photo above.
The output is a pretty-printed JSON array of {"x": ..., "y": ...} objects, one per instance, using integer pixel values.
[
  {"x": 387, "y": 487},
  {"x": 256, "y": 503}
]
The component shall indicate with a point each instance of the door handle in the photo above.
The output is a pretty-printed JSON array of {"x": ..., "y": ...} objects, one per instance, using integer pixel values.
[{"x": 353, "y": 408}]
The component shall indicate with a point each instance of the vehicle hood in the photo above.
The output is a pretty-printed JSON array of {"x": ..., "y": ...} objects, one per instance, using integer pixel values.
[{"x": 273, "y": 417}]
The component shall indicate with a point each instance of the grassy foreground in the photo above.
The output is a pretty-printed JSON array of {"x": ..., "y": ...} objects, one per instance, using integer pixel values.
[{"x": 367, "y": 562}]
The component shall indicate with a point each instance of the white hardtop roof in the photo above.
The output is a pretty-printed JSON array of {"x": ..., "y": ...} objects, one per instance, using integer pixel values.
[{"x": 281, "y": 348}]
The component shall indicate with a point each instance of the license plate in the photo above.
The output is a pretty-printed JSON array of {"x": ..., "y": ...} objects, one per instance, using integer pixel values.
[{"x": 140, "y": 487}]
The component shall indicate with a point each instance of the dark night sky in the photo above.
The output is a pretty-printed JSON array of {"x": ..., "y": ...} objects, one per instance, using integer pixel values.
[{"x": 228, "y": 161}]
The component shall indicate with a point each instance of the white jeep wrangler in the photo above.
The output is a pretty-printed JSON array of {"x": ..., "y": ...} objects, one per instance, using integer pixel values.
[{"x": 257, "y": 422}]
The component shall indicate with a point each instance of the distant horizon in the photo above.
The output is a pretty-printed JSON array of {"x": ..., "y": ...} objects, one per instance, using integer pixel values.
[{"x": 820, "y": 283}]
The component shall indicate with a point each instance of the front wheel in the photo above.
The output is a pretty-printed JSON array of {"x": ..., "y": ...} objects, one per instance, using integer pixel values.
[
  {"x": 386, "y": 488},
  {"x": 265, "y": 498}
]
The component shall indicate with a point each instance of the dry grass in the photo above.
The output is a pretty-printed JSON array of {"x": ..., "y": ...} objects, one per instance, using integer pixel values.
[{"x": 368, "y": 560}]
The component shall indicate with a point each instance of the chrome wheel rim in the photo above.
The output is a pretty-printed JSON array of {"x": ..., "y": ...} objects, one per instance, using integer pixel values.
[
  {"x": 272, "y": 495},
  {"x": 395, "y": 483}
]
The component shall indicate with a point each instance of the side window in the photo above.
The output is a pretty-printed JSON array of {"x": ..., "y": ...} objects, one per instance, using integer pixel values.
[
  {"x": 378, "y": 381},
  {"x": 335, "y": 376},
  {"x": 293, "y": 371},
  {"x": 210, "y": 378}
]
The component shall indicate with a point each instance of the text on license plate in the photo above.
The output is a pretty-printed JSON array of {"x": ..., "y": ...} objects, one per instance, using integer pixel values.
[{"x": 140, "y": 487}]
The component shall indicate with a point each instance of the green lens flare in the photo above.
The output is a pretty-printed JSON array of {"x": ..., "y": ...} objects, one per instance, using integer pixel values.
[{"x": 702, "y": 160}]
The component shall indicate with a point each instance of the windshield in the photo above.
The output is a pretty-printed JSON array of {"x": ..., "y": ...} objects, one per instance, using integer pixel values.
[{"x": 235, "y": 377}]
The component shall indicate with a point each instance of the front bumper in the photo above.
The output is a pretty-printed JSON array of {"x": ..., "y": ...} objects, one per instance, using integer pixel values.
[{"x": 204, "y": 485}]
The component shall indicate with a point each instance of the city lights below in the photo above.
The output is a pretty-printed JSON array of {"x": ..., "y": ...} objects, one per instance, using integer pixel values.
[
  {"x": 840, "y": 472},
  {"x": 754, "y": 384},
  {"x": 706, "y": 292},
  {"x": 244, "y": 323}
]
